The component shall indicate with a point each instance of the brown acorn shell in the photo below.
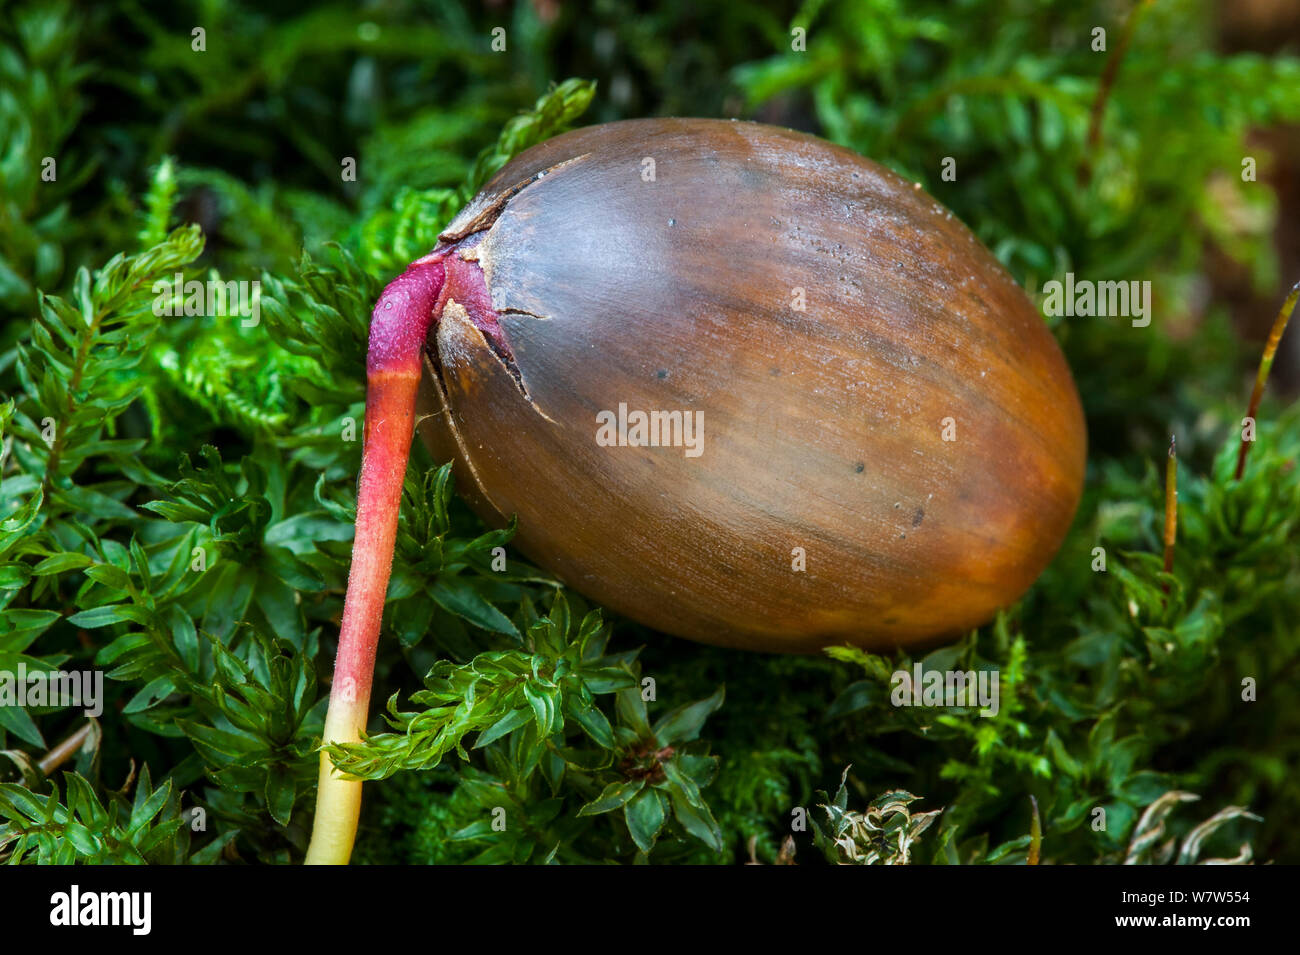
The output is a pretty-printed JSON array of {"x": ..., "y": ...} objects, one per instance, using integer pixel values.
[{"x": 893, "y": 461}]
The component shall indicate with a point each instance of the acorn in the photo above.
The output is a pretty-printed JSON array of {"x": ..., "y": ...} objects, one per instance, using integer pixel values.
[
  {"x": 886, "y": 443},
  {"x": 738, "y": 384}
]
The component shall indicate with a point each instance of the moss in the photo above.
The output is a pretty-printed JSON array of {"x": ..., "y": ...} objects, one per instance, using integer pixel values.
[{"x": 210, "y": 594}]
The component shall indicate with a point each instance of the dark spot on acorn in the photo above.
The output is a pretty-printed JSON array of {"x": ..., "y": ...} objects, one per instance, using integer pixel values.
[
  {"x": 860, "y": 467},
  {"x": 918, "y": 517}
]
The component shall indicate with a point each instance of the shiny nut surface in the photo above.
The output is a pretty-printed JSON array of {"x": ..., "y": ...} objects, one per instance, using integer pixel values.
[{"x": 892, "y": 444}]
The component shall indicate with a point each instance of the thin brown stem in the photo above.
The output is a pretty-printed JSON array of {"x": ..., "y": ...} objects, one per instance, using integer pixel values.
[
  {"x": 1171, "y": 508},
  {"x": 1108, "y": 76},
  {"x": 63, "y": 751},
  {"x": 1261, "y": 376},
  {"x": 1035, "y": 834}
]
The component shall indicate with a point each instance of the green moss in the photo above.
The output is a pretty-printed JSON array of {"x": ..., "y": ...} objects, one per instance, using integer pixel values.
[{"x": 1115, "y": 692}]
